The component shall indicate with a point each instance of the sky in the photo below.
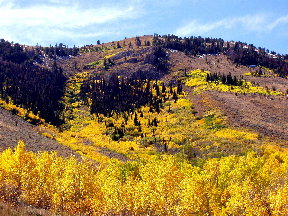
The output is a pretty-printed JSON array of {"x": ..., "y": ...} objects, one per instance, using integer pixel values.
[{"x": 263, "y": 23}]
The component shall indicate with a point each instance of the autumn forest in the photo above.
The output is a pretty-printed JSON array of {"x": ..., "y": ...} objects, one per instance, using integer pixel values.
[{"x": 150, "y": 125}]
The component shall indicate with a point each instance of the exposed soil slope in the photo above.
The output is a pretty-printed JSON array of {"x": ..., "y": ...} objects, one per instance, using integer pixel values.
[
  {"x": 267, "y": 115},
  {"x": 13, "y": 129}
]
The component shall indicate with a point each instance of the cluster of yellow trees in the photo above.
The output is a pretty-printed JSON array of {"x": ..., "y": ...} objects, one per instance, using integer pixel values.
[
  {"x": 197, "y": 79},
  {"x": 177, "y": 127},
  {"x": 254, "y": 184}
]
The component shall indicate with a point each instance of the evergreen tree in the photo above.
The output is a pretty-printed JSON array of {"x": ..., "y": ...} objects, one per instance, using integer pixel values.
[{"x": 138, "y": 41}]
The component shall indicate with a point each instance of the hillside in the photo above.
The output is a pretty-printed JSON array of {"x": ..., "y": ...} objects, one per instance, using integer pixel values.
[
  {"x": 13, "y": 128},
  {"x": 159, "y": 126},
  {"x": 250, "y": 111}
]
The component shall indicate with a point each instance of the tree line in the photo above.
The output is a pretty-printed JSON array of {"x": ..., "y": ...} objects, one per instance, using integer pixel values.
[
  {"x": 60, "y": 50},
  {"x": 248, "y": 55},
  {"x": 116, "y": 95},
  {"x": 238, "y": 52},
  {"x": 124, "y": 97},
  {"x": 225, "y": 79},
  {"x": 190, "y": 45},
  {"x": 32, "y": 87}
]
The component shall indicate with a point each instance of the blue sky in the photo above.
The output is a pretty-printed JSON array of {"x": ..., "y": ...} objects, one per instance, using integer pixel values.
[{"x": 260, "y": 22}]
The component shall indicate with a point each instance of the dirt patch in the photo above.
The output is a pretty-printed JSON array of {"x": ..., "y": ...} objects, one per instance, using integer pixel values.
[
  {"x": 13, "y": 129},
  {"x": 76, "y": 64},
  {"x": 267, "y": 115}
]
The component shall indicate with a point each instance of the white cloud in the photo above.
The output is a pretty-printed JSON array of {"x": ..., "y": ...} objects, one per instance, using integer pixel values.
[
  {"x": 279, "y": 21},
  {"x": 252, "y": 23},
  {"x": 66, "y": 17},
  {"x": 6, "y": 4},
  {"x": 57, "y": 21}
]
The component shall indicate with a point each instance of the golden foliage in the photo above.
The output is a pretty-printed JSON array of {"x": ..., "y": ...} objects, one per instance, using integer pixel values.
[
  {"x": 197, "y": 79},
  {"x": 235, "y": 185}
]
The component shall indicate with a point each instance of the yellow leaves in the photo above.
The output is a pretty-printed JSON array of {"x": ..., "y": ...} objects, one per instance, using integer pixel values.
[
  {"x": 197, "y": 79},
  {"x": 195, "y": 82},
  {"x": 183, "y": 103},
  {"x": 233, "y": 134},
  {"x": 267, "y": 69},
  {"x": 93, "y": 65},
  {"x": 247, "y": 74},
  {"x": 245, "y": 89},
  {"x": 279, "y": 201},
  {"x": 177, "y": 128},
  {"x": 236, "y": 185},
  {"x": 47, "y": 181},
  {"x": 110, "y": 55}
]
